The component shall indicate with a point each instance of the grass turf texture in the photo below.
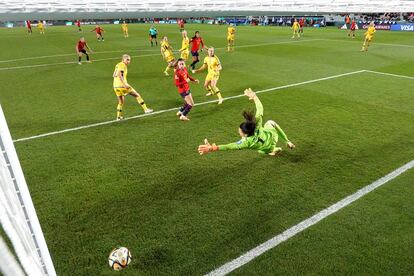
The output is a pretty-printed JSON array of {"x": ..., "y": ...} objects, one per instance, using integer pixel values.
[{"x": 141, "y": 183}]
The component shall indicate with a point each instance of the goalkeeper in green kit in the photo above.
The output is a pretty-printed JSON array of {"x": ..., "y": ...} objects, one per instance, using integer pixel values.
[{"x": 253, "y": 134}]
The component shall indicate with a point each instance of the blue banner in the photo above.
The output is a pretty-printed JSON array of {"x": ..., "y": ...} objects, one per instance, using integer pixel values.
[{"x": 403, "y": 27}]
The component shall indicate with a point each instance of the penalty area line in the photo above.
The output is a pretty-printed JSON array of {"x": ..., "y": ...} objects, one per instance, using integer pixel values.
[
  {"x": 145, "y": 55},
  {"x": 175, "y": 108},
  {"x": 294, "y": 230},
  {"x": 390, "y": 74}
]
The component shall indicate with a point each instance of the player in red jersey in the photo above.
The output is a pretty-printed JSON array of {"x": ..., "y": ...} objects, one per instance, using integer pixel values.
[
  {"x": 182, "y": 78},
  {"x": 352, "y": 29},
  {"x": 81, "y": 47},
  {"x": 98, "y": 30},
  {"x": 79, "y": 25},
  {"x": 196, "y": 40},
  {"x": 29, "y": 27},
  {"x": 181, "y": 24},
  {"x": 301, "y": 24}
]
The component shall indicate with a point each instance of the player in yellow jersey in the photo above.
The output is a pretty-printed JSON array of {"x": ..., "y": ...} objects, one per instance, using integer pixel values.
[
  {"x": 167, "y": 54},
  {"x": 212, "y": 63},
  {"x": 230, "y": 38},
  {"x": 122, "y": 88},
  {"x": 124, "y": 26},
  {"x": 185, "y": 46},
  {"x": 369, "y": 35},
  {"x": 295, "y": 28},
  {"x": 41, "y": 27}
]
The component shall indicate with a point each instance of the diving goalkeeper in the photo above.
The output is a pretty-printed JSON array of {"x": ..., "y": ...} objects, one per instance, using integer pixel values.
[{"x": 253, "y": 134}]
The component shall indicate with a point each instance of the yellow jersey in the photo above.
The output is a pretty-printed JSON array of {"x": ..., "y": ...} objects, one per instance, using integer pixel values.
[
  {"x": 370, "y": 32},
  {"x": 295, "y": 25},
  {"x": 124, "y": 26},
  {"x": 166, "y": 49},
  {"x": 185, "y": 44},
  {"x": 120, "y": 67},
  {"x": 40, "y": 25},
  {"x": 212, "y": 64},
  {"x": 231, "y": 31}
]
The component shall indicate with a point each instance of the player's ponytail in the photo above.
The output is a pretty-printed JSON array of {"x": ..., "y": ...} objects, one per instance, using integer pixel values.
[{"x": 249, "y": 125}]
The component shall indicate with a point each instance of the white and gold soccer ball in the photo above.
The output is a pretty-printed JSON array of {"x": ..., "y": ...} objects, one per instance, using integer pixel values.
[{"x": 119, "y": 258}]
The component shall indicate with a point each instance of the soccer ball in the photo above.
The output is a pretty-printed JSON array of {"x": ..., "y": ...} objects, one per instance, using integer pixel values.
[{"x": 119, "y": 258}]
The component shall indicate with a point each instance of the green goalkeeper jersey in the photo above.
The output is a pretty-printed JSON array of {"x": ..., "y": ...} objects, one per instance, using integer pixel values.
[{"x": 264, "y": 138}]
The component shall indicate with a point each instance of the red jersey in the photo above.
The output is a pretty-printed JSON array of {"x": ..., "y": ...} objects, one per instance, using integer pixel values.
[
  {"x": 353, "y": 26},
  {"x": 81, "y": 45},
  {"x": 181, "y": 82},
  {"x": 28, "y": 24},
  {"x": 78, "y": 23},
  {"x": 181, "y": 23},
  {"x": 98, "y": 30},
  {"x": 301, "y": 22},
  {"x": 196, "y": 43}
]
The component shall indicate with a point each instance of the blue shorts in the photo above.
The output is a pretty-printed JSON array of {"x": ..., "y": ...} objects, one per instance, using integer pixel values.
[
  {"x": 185, "y": 94},
  {"x": 194, "y": 53}
]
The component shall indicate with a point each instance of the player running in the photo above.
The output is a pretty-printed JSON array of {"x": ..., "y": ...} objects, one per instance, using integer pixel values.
[
  {"x": 98, "y": 30},
  {"x": 181, "y": 23},
  {"x": 81, "y": 47},
  {"x": 369, "y": 35},
  {"x": 124, "y": 26},
  {"x": 352, "y": 29},
  {"x": 196, "y": 40},
  {"x": 301, "y": 24},
  {"x": 153, "y": 35},
  {"x": 253, "y": 135},
  {"x": 29, "y": 27},
  {"x": 212, "y": 63},
  {"x": 182, "y": 78},
  {"x": 122, "y": 88},
  {"x": 231, "y": 31},
  {"x": 41, "y": 27},
  {"x": 295, "y": 28},
  {"x": 167, "y": 54},
  {"x": 185, "y": 46},
  {"x": 78, "y": 24}
]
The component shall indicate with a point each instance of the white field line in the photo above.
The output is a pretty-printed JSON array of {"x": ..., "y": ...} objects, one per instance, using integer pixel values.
[
  {"x": 74, "y": 54},
  {"x": 294, "y": 230},
  {"x": 70, "y": 62},
  {"x": 147, "y": 55},
  {"x": 390, "y": 74},
  {"x": 175, "y": 108},
  {"x": 374, "y": 43}
]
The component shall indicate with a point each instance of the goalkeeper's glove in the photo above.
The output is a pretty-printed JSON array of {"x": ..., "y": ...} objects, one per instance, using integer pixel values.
[
  {"x": 250, "y": 94},
  {"x": 207, "y": 147}
]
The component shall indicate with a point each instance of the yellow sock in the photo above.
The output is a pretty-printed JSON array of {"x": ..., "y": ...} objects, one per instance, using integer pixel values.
[
  {"x": 219, "y": 95},
  {"x": 119, "y": 111},
  {"x": 210, "y": 89},
  {"x": 142, "y": 103},
  {"x": 167, "y": 69},
  {"x": 216, "y": 91}
]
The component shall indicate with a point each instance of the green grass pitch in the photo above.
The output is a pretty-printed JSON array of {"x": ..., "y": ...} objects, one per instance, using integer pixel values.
[{"x": 141, "y": 183}]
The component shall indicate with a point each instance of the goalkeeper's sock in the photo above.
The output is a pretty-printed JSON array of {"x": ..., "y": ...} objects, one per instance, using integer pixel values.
[
  {"x": 142, "y": 103},
  {"x": 187, "y": 109},
  {"x": 119, "y": 113}
]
